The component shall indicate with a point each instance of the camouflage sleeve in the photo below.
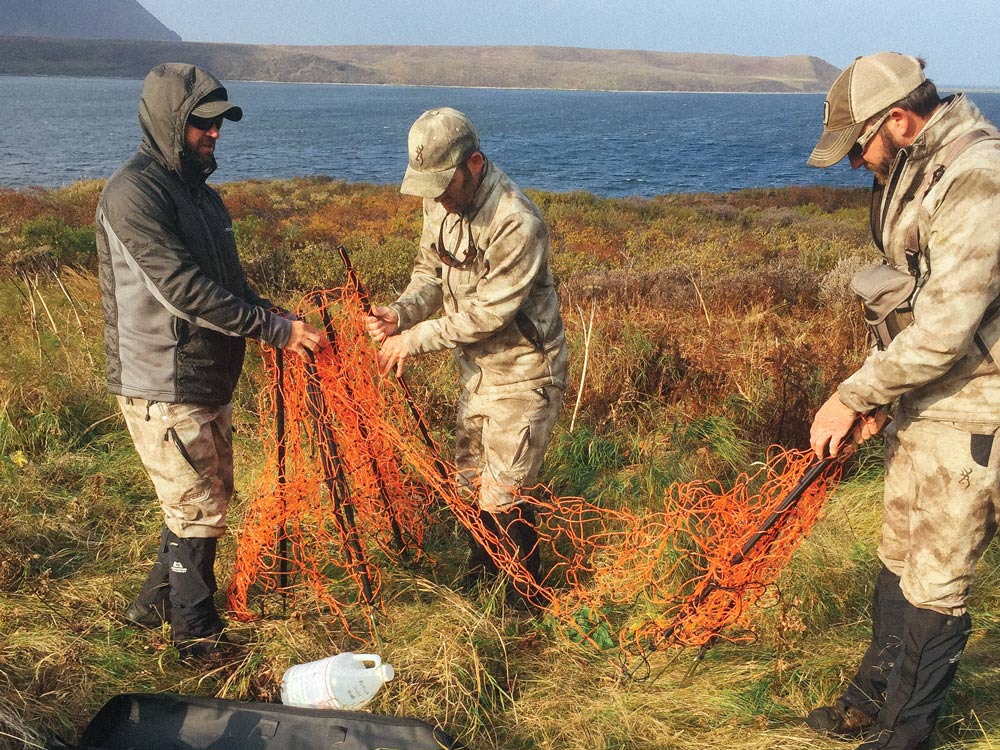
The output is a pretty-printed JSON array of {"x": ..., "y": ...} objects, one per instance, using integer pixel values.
[
  {"x": 964, "y": 258},
  {"x": 516, "y": 254},
  {"x": 422, "y": 296}
]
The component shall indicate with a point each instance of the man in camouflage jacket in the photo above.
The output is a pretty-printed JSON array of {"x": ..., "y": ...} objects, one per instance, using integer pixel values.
[
  {"x": 483, "y": 263},
  {"x": 934, "y": 212}
]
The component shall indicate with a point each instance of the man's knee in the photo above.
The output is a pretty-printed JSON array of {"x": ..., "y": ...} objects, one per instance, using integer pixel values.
[{"x": 494, "y": 498}]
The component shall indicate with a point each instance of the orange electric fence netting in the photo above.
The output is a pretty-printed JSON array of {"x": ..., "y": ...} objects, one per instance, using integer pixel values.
[{"x": 352, "y": 482}]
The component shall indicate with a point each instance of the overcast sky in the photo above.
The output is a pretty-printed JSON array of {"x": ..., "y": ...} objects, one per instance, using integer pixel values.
[{"x": 960, "y": 39}]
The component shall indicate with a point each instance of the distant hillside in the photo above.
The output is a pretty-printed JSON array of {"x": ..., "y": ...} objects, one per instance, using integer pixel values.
[
  {"x": 569, "y": 67},
  {"x": 512, "y": 67},
  {"x": 83, "y": 19}
]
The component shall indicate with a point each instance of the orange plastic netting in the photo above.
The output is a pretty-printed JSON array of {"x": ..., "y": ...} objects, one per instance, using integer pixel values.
[{"x": 352, "y": 482}]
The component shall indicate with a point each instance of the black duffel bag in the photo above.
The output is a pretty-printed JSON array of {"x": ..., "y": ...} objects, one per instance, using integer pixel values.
[{"x": 138, "y": 721}]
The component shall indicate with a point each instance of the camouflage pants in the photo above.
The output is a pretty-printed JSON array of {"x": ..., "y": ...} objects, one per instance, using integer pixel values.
[
  {"x": 187, "y": 450},
  {"x": 942, "y": 499},
  {"x": 500, "y": 441}
]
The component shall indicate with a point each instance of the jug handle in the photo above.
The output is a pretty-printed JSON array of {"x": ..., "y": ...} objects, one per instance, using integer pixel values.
[{"x": 362, "y": 658}]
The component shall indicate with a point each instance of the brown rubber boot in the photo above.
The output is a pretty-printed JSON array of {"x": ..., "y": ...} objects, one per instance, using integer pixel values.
[{"x": 840, "y": 721}]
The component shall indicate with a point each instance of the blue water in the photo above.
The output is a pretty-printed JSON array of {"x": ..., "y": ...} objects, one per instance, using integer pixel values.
[{"x": 58, "y": 130}]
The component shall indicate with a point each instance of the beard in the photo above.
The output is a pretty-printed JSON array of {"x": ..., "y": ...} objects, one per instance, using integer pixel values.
[
  {"x": 197, "y": 167},
  {"x": 890, "y": 148}
]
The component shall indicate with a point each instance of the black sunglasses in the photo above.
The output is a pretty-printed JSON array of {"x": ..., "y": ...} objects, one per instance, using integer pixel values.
[
  {"x": 866, "y": 137},
  {"x": 205, "y": 123},
  {"x": 451, "y": 259}
]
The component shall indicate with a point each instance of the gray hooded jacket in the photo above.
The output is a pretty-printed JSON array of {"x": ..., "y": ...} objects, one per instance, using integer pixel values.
[{"x": 176, "y": 303}]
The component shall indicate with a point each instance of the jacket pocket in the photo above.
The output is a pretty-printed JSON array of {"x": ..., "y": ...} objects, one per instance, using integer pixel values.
[
  {"x": 529, "y": 330},
  {"x": 981, "y": 446}
]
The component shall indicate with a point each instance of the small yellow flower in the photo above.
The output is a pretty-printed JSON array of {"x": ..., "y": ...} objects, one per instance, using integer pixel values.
[{"x": 20, "y": 460}]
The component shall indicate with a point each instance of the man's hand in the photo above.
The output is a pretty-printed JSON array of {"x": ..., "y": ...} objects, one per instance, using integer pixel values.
[
  {"x": 392, "y": 355},
  {"x": 382, "y": 323},
  {"x": 305, "y": 339},
  {"x": 830, "y": 426},
  {"x": 870, "y": 425}
]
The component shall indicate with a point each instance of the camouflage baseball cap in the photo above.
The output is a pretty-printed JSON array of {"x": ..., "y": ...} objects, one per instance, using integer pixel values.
[
  {"x": 867, "y": 86},
  {"x": 440, "y": 141}
]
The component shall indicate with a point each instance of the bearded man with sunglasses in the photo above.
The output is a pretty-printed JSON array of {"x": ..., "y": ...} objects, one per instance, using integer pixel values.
[
  {"x": 483, "y": 262},
  {"x": 177, "y": 309},
  {"x": 934, "y": 209}
]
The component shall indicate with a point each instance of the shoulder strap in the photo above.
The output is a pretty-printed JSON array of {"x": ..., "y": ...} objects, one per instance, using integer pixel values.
[{"x": 933, "y": 174}]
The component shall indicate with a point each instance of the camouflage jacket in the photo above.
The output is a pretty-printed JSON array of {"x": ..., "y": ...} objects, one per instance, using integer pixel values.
[
  {"x": 943, "y": 365},
  {"x": 492, "y": 283}
]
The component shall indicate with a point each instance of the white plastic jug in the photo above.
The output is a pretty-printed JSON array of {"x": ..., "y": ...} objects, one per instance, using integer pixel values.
[{"x": 346, "y": 681}]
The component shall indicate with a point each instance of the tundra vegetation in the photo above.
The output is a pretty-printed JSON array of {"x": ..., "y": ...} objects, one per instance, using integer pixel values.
[{"x": 716, "y": 325}]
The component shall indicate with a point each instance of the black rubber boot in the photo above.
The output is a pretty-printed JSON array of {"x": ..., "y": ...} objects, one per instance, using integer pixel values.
[
  {"x": 208, "y": 572},
  {"x": 857, "y": 708},
  {"x": 152, "y": 607},
  {"x": 867, "y": 688},
  {"x": 518, "y": 525},
  {"x": 195, "y": 623},
  {"x": 918, "y": 683},
  {"x": 479, "y": 564}
]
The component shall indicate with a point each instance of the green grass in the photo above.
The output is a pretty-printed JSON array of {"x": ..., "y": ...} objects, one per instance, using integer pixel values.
[{"x": 687, "y": 380}]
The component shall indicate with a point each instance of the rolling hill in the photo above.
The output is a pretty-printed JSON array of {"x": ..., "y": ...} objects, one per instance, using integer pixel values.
[
  {"x": 93, "y": 19},
  {"x": 507, "y": 67}
]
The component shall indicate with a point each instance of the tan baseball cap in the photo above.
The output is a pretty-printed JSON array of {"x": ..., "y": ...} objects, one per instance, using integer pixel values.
[
  {"x": 440, "y": 141},
  {"x": 867, "y": 86}
]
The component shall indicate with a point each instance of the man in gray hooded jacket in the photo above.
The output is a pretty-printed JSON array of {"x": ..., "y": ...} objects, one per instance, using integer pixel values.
[
  {"x": 177, "y": 309},
  {"x": 935, "y": 202}
]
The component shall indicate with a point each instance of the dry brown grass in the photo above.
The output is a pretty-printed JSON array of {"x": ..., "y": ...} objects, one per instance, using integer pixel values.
[{"x": 721, "y": 322}]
